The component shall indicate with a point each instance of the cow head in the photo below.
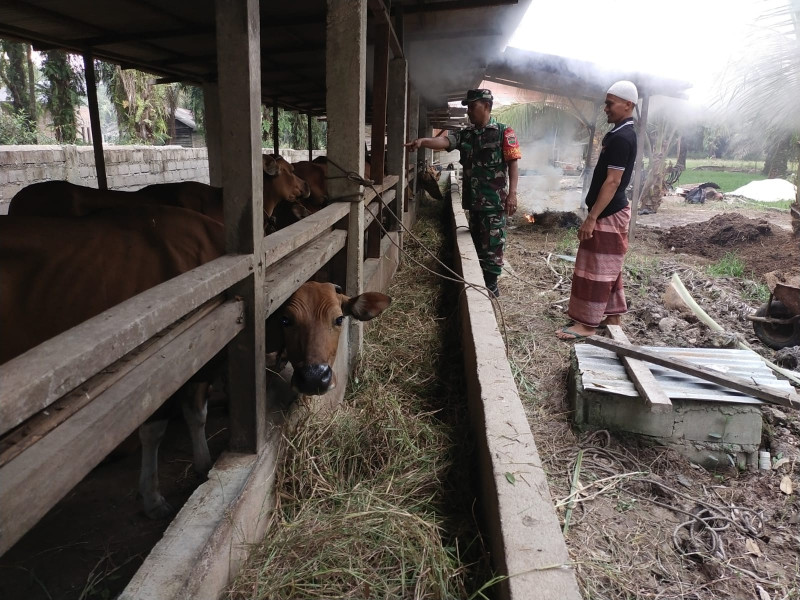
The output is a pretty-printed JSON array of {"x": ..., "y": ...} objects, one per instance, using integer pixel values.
[
  {"x": 280, "y": 182},
  {"x": 307, "y": 329}
]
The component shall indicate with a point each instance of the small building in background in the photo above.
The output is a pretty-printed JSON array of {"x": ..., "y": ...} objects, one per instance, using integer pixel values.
[{"x": 186, "y": 133}]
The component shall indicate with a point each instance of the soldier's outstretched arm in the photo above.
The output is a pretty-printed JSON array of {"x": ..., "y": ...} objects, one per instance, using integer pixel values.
[{"x": 434, "y": 143}]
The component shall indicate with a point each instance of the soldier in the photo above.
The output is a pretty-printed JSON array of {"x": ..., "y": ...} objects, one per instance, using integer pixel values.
[{"x": 489, "y": 153}]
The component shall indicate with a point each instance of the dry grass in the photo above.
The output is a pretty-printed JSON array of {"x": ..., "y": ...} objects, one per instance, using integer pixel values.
[
  {"x": 625, "y": 535},
  {"x": 375, "y": 500}
]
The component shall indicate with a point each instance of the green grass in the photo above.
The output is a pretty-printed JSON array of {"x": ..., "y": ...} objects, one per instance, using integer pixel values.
[
  {"x": 727, "y": 180},
  {"x": 568, "y": 242},
  {"x": 729, "y": 265}
]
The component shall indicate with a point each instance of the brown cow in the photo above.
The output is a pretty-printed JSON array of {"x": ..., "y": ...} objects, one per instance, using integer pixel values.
[
  {"x": 65, "y": 199},
  {"x": 56, "y": 273}
]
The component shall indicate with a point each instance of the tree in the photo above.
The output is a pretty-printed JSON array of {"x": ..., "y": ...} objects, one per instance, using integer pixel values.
[
  {"x": 17, "y": 74},
  {"x": 62, "y": 94},
  {"x": 293, "y": 129},
  {"x": 140, "y": 104}
]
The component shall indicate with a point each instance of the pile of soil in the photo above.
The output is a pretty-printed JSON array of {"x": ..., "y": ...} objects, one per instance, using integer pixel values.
[{"x": 761, "y": 246}]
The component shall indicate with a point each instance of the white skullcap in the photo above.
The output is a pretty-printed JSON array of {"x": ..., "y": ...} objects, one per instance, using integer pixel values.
[{"x": 625, "y": 90}]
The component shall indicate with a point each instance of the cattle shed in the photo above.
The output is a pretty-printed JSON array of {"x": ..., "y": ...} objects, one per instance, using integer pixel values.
[{"x": 394, "y": 65}]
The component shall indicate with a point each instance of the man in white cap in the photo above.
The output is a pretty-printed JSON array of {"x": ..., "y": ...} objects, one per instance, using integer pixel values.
[{"x": 597, "y": 297}]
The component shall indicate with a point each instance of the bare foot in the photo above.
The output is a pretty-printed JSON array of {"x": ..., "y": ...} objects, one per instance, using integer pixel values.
[
  {"x": 575, "y": 331},
  {"x": 610, "y": 320}
]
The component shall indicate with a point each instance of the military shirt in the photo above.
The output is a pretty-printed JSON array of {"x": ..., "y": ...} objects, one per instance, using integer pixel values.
[{"x": 485, "y": 153}]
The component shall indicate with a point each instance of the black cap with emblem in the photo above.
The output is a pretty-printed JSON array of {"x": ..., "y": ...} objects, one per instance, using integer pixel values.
[{"x": 479, "y": 94}]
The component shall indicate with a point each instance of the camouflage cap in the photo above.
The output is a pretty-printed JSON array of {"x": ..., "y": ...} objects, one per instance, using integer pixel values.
[{"x": 473, "y": 95}]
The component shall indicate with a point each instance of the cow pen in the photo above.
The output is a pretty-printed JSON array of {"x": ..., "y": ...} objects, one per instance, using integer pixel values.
[{"x": 99, "y": 381}]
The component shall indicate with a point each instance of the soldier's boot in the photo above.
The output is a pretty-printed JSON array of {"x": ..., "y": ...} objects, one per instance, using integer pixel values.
[{"x": 491, "y": 283}]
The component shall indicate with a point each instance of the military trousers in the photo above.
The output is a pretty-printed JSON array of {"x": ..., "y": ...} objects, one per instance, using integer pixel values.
[{"x": 488, "y": 231}]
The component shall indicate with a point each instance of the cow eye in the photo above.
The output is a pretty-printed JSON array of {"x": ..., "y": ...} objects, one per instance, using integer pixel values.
[
  {"x": 339, "y": 320},
  {"x": 285, "y": 321}
]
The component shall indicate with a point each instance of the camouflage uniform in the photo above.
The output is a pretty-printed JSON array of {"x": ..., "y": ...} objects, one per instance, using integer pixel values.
[{"x": 484, "y": 156}]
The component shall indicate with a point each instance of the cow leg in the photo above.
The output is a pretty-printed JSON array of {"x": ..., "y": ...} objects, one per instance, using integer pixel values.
[
  {"x": 151, "y": 433},
  {"x": 195, "y": 410}
]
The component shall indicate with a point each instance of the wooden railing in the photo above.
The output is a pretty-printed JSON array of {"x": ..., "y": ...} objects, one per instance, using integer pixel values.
[{"x": 109, "y": 374}]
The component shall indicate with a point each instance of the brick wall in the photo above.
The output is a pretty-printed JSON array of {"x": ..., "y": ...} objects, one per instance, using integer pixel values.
[{"x": 127, "y": 167}]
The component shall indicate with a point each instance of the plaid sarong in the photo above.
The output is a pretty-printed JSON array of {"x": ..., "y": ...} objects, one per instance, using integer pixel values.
[{"x": 597, "y": 282}]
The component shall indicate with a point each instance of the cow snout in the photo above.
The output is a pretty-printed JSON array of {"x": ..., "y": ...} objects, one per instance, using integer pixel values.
[{"x": 313, "y": 379}]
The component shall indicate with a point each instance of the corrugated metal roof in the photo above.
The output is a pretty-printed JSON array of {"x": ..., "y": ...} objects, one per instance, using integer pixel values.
[{"x": 601, "y": 370}]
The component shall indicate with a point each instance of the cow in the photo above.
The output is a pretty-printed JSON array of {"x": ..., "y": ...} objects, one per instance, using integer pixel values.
[
  {"x": 57, "y": 272},
  {"x": 65, "y": 199}
]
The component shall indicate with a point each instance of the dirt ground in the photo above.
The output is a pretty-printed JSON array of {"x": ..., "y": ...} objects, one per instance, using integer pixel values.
[{"x": 628, "y": 535}]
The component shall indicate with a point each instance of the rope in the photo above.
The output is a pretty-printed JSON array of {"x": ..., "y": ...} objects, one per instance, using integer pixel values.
[{"x": 482, "y": 289}]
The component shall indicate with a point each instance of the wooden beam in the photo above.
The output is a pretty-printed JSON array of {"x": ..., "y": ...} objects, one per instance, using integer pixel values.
[
  {"x": 641, "y": 376},
  {"x": 378, "y": 10},
  {"x": 397, "y": 109},
  {"x": 285, "y": 241},
  {"x": 380, "y": 83},
  {"x": 213, "y": 133},
  {"x": 310, "y": 138},
  {"x": 281, "y": 282},
  {"x": 429, "y": 7},
  {"x": 239, "y": 65},
  {"x": 35, "y": 428},
  {"x": 346, "y": 82},
  {"x": 35, "y": 379},
  {"x": 94, "y": 118},
  {"x": 44, "y": 473},
  {"x": 739, "y": 384}
]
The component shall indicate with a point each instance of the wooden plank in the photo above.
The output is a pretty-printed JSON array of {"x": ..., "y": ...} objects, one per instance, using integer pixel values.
[
  {"x": 284, "y": 278},
  {"x": 643, "y": 380},
  {"x": 735, "y": 383},
  {"x": 346, "y": 84},
  {"x": 212, "y": 123},
  {"x": 94, "y": 121},
  {"x": 371, "y": 211},
  {"x": 238, "y": 28},
  {"x": 39, "y": 477},
  {"x": 285, "y": 241},
  {"x": 35, "y": 379},
  {"x": 39, "y": 425},
  {"x": 378, "y": 10},
  {"x": 396, "y": 127},
  {"x": 389, "y": 181}
]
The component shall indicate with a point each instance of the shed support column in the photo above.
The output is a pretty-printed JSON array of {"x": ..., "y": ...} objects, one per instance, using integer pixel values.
[
  {"x": 413, "y": 133},
  {"x": 395, "y": 152},
  {"x": 213, "y": 140},
  {"x": 641, "y": 132},
  {"x": 94, "y": 118},
  {"x": 310, "y": 138},
  {"x": 276, "y": 130},
  {"x": 238, "y": 46},
  {"x": 378, "y": 156},
  {"x": 425, "y": 130},
  {"x": 346, "y": 57}
]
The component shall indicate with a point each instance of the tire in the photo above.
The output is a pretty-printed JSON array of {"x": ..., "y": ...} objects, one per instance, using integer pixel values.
[{"x": 777, "y": 336}]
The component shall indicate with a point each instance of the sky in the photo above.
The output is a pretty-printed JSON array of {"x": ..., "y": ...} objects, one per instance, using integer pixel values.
[{"x": 691, "y": 40}]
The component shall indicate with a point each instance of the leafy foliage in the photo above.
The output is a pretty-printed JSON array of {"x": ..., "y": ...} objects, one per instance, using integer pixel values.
[
  {"x": 18, "y": 75},
  {"x": 293, "y": 130},
  {"x": 15, "y": 127},
  {"x": 62, "y": 94}
]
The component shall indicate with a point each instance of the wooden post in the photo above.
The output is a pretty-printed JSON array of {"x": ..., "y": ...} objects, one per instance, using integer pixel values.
[
  {"x": 641, "y": 133},
  {"x": 94, "y": 118},
  {"x": 276, "y": 130},
  {"x": 425, "y": 130},
  {"x": 346, "y": 76},
  {"x": 310, "y": 139},
  {"x": 395, "y": 152},
  {"x": 413, "y": 133},
  {"x": 239, "y": 67},
  {"x": 213, "y": 135},
  {"x": 380, "y": 77}
]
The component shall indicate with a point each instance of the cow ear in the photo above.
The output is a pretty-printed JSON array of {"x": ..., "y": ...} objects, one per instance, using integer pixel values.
[
  {"x": 270, "y": 164},
  {"x": 366, "y": 306}
]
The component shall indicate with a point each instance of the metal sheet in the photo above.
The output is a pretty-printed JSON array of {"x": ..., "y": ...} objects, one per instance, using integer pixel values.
[{"x": 601, "y": 370}]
